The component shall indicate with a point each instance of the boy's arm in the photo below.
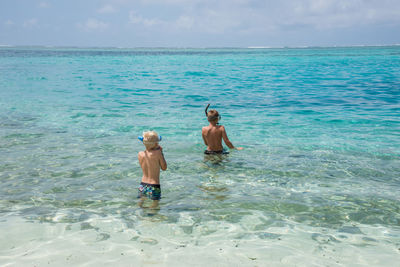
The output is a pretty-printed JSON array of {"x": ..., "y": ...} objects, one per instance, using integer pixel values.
[
  {"x": 203, "y": 134},
  {"x": 140, "y": 158},
  {"x": 163, "y": 162},
  {"x": 226, "y": 140}
]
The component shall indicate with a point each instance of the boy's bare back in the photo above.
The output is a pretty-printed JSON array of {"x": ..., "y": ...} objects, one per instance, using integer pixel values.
[
  {"x": 213, "y": 135},
  {"x": 151, "y": 160}
]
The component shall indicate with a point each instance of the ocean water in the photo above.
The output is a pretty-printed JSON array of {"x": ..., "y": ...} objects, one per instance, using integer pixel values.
[{"x": 317, "y": 183}]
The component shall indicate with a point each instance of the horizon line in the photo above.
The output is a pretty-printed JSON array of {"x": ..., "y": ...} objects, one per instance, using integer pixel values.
[{"x": 194, "y": 47}]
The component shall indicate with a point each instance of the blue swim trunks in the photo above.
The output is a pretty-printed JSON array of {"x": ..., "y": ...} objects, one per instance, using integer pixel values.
[{"x": 152, "y": 191}]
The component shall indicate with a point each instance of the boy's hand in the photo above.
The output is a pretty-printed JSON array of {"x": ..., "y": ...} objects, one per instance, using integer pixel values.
[
  {"x": 160, "y": 148},
  {"x": 239, "y": 148}
]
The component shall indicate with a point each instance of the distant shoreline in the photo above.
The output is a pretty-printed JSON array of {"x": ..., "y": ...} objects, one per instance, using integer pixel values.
[{"x": 181, "y": 48}]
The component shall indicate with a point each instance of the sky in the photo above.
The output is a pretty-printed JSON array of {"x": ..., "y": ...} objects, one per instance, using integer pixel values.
[{"x": 199, "y": 23}]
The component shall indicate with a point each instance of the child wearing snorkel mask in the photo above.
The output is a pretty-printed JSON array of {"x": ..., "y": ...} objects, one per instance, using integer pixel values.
[
  {"x": 151, "y": 160},
  {"x": 214, "y": 133}
]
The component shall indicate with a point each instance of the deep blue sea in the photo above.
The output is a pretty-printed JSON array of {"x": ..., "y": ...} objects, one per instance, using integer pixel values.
[{"x": 317, "y": 184}]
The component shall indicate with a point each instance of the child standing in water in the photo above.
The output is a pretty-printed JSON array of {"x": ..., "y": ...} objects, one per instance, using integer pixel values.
[
  {"x": 214, "y": 133},
  {"x": 151, "y": 160}
]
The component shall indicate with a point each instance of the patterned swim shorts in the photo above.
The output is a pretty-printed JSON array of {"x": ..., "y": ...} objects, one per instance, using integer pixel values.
[{"x": 152, "y": 191}]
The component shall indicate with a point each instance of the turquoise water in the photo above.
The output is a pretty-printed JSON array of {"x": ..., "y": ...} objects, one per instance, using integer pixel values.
[{"x": 318, "y": 180}]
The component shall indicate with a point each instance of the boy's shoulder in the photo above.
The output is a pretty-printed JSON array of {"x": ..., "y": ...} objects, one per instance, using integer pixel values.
[
  {"x": 221, "y": 127},
  {"x": 149, "y": 153},
  {"x": 217, "y": 127}
]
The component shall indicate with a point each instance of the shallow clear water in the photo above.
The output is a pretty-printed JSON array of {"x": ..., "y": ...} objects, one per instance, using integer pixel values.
[{"x": 317, "y": 183}]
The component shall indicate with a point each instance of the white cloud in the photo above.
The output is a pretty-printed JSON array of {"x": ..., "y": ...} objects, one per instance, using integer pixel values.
[
  {"x": 328, "y": 14},
  {"x": 43, "y": 5},
  {"x": 185, "y": 22},
  {"x": 135, "y": 18},
  {"x": 9, "y": 23},
  {"x": 107, "y": 9},
  {"x": 208, "y": 21},
  {"x": 30, "y": 23},
  {"x": 252, "y": 16},
  {"x": 92, "y": 24}
]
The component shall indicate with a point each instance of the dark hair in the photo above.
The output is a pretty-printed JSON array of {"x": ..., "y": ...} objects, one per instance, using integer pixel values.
[{"x": 212, "y": 115}]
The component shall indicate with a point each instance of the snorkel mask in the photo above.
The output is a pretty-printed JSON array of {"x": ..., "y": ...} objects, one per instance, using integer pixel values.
[
  {"x": 141, "y": 138},
  {"x": 211, "y": 118}
]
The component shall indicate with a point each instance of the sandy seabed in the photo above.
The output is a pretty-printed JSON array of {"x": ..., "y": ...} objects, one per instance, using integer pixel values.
[{"x": 105, "y": 241}]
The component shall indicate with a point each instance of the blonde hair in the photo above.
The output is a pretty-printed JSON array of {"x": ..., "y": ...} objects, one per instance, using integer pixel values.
[{"x": 150, "y": 138}]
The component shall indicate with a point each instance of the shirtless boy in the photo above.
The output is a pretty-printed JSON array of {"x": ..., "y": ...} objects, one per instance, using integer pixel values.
[
  {"x": 151, "y": 160},
  {"x": 214, "y": 133}
]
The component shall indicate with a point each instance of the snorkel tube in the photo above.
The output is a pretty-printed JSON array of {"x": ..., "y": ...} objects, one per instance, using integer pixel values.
[
  {"x": 206, "y": 110},
  {"x": 211, "y": 118}
]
